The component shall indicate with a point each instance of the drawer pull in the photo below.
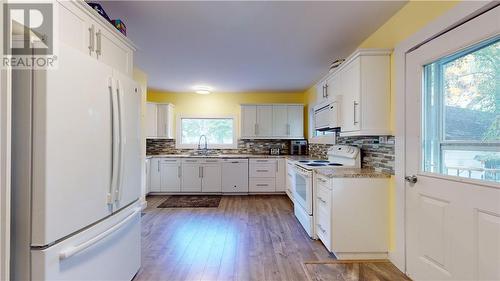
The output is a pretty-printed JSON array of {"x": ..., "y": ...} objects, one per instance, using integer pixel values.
[
  {"x": 262, "y": 160},
  {"x": 262, "y": 171},
  {"x": 322, "y": 180},
  {"x": 321, "y": 199},
  {"x": 261, "y": 184}
]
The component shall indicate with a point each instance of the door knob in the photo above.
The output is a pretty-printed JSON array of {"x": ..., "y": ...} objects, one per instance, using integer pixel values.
[{"x": 411, "y": 179}]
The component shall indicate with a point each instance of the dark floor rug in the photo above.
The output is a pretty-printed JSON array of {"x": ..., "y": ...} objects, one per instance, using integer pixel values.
[{"x": 191, "y": 201}]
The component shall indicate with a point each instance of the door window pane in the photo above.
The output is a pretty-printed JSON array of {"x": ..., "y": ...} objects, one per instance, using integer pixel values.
[{"x": 461, "y": 113}]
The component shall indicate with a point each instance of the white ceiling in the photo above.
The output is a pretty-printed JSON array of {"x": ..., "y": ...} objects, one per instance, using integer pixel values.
[{"x": 245, "y": 46}]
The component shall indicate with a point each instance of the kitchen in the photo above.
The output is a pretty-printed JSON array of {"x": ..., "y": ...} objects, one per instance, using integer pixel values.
[{"x": 210, "y": 149}]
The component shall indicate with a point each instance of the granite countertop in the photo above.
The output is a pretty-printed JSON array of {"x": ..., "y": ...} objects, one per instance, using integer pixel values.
[
  {"x": 222, "y": 156},
  {"x": 351, "y": 173}
]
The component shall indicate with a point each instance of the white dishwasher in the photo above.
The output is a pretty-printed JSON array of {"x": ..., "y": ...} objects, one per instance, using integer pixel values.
[{"x": 235, "y": 175}]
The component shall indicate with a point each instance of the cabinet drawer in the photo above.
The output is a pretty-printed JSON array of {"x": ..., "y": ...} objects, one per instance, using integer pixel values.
[
  {"x": 262, "y": 185},
  {"x": 211, "y": 161},
  {"x": 323, "y": 229},
  {"x": 169, "y": 161},
  {"x": 262, "y": 161},
  {"x": 263, "y": 170},
  {"x": 324, "y": 181},
  {"x": 191, "y": 160},
  {"x": 323, "y": 199}
]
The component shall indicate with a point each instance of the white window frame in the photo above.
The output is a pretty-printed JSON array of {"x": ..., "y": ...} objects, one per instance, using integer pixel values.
[{"x": 178, "y": 126}]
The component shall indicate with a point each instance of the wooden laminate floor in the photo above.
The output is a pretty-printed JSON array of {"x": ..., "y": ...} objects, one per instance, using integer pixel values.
[{"x": 246, "y": 238}]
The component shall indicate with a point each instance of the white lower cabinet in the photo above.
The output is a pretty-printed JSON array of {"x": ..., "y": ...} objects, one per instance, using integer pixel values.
[
  {"x": 280, "y": 175},
  {"x": 351, "y": 216},
  {"x": 211, "y": 176},
  {"x": 262, "y": 175},
  {"x": 170, "y": 170},
  {"x": 290, "y": 179},
  {"x": 164, "y": 175},
  {"x": 191, "y": 175},
  {"x": 148, "y": 176},
  {"x": 155, "y": 175}
]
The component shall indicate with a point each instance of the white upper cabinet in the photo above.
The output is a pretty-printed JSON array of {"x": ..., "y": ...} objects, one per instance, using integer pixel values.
[
  {"x": 264, "y": 120},
  {"x": 351, "y": 86},
  {"x": 82, "y": 28},
  {"x": 272, "y": 121},
  {"x": 295, "y": 121},
  {"x": 280, "y": 121},
  {"x": 159, "y": 120},
  {"x": 363, "y": 82},
  {"x": 165, "y": 122},
  {"x": 248, "y": 121}
]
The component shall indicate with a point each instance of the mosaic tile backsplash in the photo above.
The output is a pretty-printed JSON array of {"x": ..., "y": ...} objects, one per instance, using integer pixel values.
[
  {"x": 374, "y": 154},
  {"x": 167, "y": 146}
]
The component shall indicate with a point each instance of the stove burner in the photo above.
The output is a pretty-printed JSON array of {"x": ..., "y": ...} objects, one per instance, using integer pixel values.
[
  {"x": 316, "y": 165},
  {"x": 321, "y": 161},
  {"x": 335, "y": 164}
]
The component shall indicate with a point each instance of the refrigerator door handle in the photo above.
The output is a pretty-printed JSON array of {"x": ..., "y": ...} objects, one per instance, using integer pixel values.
[
  {"x": 73, "y": 250},
  {"x": 121, "y": 140},
  {"x": 114, "y": 143}
]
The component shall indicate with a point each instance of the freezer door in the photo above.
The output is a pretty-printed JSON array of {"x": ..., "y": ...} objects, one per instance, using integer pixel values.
[
  {"x": 110, "y": 250},
  {"x": 128, "y": 188},
  {"x": 71, "y": 146}
]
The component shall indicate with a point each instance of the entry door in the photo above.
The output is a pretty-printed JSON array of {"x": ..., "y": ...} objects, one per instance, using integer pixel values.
[{"x": 453, "y": 154}]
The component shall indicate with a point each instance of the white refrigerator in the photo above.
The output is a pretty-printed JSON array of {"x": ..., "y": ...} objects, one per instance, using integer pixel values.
[{"x": 76, "y": 171}]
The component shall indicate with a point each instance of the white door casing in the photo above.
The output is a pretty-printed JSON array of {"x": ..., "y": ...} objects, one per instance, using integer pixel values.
[{"x": 453, "y": 225}]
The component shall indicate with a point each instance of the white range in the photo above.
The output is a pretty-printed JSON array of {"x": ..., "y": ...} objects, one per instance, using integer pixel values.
[{"x": 339, "y": 156}]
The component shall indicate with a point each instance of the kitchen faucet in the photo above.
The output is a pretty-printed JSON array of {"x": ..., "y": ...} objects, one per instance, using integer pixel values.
[{"x": 205, "y": 149}]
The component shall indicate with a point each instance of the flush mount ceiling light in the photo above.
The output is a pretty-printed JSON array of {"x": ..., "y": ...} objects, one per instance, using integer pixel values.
[{"x": 202, "y": 90}]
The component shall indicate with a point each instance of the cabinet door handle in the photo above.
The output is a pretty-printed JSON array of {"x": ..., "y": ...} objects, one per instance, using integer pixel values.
[
  {"x": 326, "y": 91},
  {"x": 91, "y": 39},
  {"x": 98, "y": 50},
  {"x": 179, "y": 172},
  {"x": 276, "y": 166},
  {"x": 158, "y": 165},
  {"x": 202, "y": 172},
  {"x": 321, "y": 199},
  {"x": 355, "y": 104}
]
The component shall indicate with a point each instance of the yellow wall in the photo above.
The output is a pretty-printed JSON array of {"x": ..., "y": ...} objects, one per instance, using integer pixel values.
[
  {"x": 411, "y": 18},
  {"x": 223, "y": 103}
]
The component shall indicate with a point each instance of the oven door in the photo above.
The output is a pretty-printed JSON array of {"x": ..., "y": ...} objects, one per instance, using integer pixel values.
[{"x": 302, "y": 189}]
